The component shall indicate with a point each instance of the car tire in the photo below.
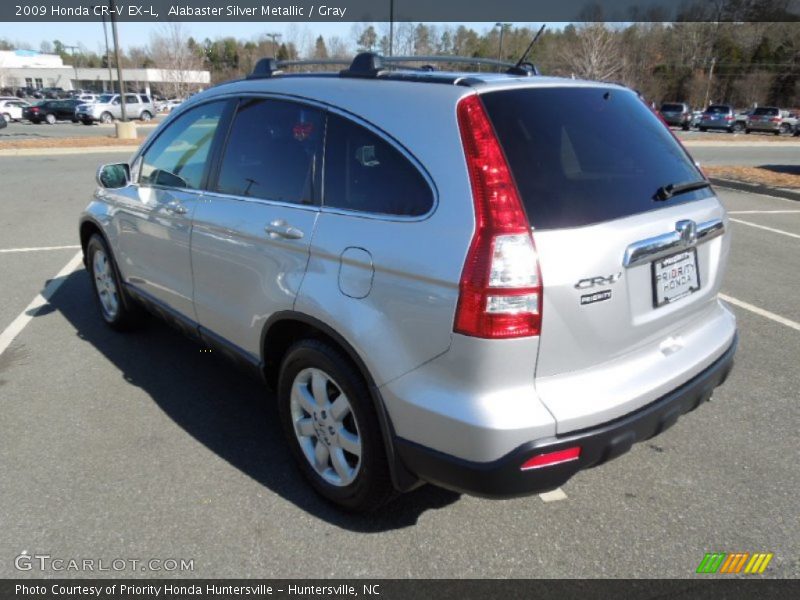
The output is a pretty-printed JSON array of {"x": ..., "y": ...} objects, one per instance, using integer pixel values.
[
  {"x": 703, "y": 129},
  {"x": 87, "y": 122},
  {"x": 747, "y": 131},
  {"x": 117, "y": 309},
  {"x": 7, "y": 117},
  {"x": 331, "y": 426},
  {"x": 106, "y": 117},
  {"x": 738, "y": 128},
  {"x": 785, "y": 128},
  {"x": 145, "y": 116},
  {"x": 685, "y": 127},
  {"x": 51, "y": 119}
]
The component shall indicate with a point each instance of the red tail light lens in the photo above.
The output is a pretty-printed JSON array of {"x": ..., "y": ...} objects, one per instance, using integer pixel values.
[
  {"x": 500, "y": 293},
  {"x": 552, "y": 458}
]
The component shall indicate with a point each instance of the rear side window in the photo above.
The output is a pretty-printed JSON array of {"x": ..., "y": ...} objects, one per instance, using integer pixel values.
[
  {"x": 178, "y": 156},
  {"x": 365, "y": 173},
  {"x": 583, "y": 155},
  {"x": 272, "y": 152}
]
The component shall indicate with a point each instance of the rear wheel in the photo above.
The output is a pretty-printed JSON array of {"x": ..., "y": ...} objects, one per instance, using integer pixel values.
[
  {"x": 116, "y": 308},
  {"x": 106, "y": 117},
  {"x": 145, "y": 116},
  {"x": 331, "y": 426},
  {"x": 738, "y": 127},
  {"x": 785, "y": 128}
]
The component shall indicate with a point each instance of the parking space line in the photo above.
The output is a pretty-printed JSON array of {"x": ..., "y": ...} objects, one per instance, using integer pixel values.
[
  {"x": 39, "y": 249},
  {"x": 41, "y": 299},
  {"x": 781, "y": 231},
  {"x": 762, "y": 212},
  {"x": 553, "y": 496},
  {"x": 760, "y": 311}
]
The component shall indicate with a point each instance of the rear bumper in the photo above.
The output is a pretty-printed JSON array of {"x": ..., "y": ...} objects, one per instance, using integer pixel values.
[{"x": 504, "y": 478}]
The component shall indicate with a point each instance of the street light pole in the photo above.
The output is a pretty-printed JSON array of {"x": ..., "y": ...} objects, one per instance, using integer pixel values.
[
  {"x": 113, "y": 5},
  {"x": 710, "y": 76},
  {"x": 274, "y": 37},
  {"x": 108, "y": 57},
  {"x": 502, "y": 27}
]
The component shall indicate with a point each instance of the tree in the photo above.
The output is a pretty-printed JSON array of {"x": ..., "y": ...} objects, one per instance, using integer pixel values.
[
  {"x": 367, "y": 40},
  {"x": 320, "y": 49},
  {"x": 593, "y": 53},
  {"x": 170, "y": 51}
]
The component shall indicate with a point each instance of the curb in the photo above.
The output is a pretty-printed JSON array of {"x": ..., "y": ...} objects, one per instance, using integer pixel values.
[
  {"x": 755, "y": 188},
  {"x": 65, "y": 151}
]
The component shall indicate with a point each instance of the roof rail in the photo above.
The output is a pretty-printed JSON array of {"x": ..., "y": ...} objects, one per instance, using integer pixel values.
[{"x": 369, "y": 65}]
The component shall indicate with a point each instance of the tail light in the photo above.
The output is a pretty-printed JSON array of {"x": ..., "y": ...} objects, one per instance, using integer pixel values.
[
  {"x": 729, "y": 118},
  {"x": 500, "y": 293},
  {"x": 775, "y": 119},
  {"x": 552, "y": 458}
]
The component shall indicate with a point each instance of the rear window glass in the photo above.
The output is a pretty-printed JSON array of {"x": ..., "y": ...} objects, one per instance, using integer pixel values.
[
  {"x": 772, "y": 112},
  {"x": 672, "y": 108},
  {"x": 584, "y": 155},
  {"x": 718, "y": 109}
]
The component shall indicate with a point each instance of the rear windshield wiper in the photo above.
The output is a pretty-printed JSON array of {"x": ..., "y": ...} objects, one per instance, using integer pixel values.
[{"x": 673, "y": 189}]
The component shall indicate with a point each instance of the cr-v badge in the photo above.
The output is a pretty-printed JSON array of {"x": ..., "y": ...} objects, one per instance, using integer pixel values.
[{"x": 600, "y": 295}]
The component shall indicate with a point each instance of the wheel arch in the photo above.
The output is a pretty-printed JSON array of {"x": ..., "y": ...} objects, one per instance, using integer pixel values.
[{"x": 286, "y": 327}]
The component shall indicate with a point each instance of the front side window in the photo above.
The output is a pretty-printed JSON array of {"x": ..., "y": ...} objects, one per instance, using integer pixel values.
[
  {"x": 179, "y": 156},
  {"x": 272, "y": 152},
  {"x": 365, "y": 173}
]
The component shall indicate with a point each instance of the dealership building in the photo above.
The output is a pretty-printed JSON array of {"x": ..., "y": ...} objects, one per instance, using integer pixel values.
[{"x": 28, "y": 68}]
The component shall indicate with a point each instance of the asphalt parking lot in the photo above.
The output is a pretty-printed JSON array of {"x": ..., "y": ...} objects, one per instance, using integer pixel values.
[
  {"x": 25, "y": 130},
  {"x": 141, "y": 446}
]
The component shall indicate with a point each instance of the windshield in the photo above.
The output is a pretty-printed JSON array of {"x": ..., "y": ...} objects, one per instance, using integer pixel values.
[{"x": 583, "y": 155}]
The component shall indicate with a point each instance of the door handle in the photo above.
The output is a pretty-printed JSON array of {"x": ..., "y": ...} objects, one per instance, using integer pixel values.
[
  {"x": 281, "y": 229},
  {"x": 175, "y": 208}
]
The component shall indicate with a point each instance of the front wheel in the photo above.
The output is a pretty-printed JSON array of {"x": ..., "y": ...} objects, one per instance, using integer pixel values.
[
  {"x": 116, "y": 308},
  {"x": 145, "y": 116},
  {"x": 332, "y": 428},
  {"x": 738, "y": 128},
  {"x": 106, "y": 117},
  {"x": 51, "y": 119},
  {"x": 785, "y": 128},
  {"x": 7, "y": 117}
]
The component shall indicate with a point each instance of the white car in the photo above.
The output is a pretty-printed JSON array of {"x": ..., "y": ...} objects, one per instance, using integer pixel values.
[{"x": 12, "y": 109}]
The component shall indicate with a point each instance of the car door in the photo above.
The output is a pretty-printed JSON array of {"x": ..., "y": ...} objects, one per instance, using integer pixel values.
[
  {"x": 153, "y": 216},
  {"x": 132, "y": 106},
  {"x": 252, "y": 233}
]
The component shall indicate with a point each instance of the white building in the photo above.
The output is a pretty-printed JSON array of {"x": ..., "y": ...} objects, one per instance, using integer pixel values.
[{"x": 27, "y": 68}]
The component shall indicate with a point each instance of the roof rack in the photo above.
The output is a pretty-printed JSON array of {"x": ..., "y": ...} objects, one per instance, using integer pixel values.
[{"x": 369, "y": 65}]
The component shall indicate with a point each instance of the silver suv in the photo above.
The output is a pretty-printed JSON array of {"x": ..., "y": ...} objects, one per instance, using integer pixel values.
[
  {"x": 108, "y": 107},
  {"x": 473, "y": 280},
  {"x": 771, "y": 119}
]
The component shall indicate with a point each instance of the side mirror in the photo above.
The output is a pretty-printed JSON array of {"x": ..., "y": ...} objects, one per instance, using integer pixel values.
[{"x": 114, "y": 176}]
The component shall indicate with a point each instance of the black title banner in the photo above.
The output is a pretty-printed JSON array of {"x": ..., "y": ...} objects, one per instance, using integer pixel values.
[{"x": 402, "y": 10}]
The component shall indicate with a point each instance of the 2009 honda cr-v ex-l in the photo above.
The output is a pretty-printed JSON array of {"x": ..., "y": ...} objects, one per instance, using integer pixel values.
[{"x": 484, "y": 281}]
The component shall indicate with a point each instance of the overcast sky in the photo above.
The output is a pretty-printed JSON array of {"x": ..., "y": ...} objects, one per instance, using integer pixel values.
[{"x": 138, "y": 34}]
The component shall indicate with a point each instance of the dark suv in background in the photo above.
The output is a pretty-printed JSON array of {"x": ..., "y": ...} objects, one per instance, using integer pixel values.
[
  {"x": 51, "y": 111},
  {"x": 677, "y": 114}
]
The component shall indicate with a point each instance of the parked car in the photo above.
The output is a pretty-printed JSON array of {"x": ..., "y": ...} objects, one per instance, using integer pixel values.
[
  {"x": 169, "y": 105},
  {"x": 797, "y": 129},
  {"x": 771, "y": 119},
  {"x": 677, "y": 114},
  {"x": 3, "y": 123},
  {"x": 717, "y": 116},
  {"x": 54, "y": 93},
  {"x": 86, "y": 98},
  {"x": 51, "y": 111},
  {"x": 697, "y": 115},
  {"x": 462, "y": 303},
  {"x": 11, "y": 110},
  {"x": 108, "y": 107}
]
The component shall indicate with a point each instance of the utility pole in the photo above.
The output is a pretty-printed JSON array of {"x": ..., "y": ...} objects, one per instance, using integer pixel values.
[
  {"x": 108, "y": 57},
  {"x": 274, "y": 37},
  {"x": 391, "y": 26},
  {"x": 710, "y": 76},
  {"x": 113, "y": 5},
  {"x": 503, "y": 27}
]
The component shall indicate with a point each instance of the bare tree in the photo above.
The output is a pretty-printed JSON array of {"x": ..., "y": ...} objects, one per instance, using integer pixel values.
[
  {"x": 170, "y": 51},
  {"x": 594, "y": 53}
]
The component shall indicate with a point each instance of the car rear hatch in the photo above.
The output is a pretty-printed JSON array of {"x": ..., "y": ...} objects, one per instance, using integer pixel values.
[{"x": 630, "y": 266}]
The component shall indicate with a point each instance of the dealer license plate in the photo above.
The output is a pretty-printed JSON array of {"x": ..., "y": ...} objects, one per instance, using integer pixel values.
[{"x": 675, "y": 277}]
